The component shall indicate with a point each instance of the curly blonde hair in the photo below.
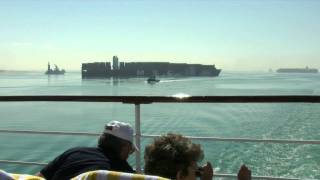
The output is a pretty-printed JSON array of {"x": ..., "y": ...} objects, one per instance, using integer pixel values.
[{"x": 169, "y": 154}]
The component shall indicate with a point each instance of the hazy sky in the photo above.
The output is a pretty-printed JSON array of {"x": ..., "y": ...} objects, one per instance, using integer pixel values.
[{"x": 232, "y": 34}]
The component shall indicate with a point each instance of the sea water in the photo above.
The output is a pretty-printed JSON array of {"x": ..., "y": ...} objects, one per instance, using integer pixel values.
[{"x": 229, "y": 120}]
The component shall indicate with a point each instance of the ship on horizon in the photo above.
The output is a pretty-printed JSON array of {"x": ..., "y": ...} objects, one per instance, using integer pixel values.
[
  {"x": 146, "y": 69},
  {"x": 55, "y": 71},
  {"x": 297, "y": 70}
]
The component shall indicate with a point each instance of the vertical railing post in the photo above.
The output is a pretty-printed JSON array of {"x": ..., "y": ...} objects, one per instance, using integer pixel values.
[{"x": 138, "y": 137}]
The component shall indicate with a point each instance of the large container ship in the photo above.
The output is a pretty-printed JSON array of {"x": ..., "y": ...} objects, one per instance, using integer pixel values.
[
  {"x": 145, "y": 69},
  {"x": 297, "y": 70}
]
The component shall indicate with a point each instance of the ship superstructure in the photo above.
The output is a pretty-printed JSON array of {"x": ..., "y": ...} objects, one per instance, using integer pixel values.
[{"x": 55, "y": 71}]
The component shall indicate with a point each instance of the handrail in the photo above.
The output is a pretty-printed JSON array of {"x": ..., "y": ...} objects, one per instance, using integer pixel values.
[
  {"x": 23, "y": 162},
  {"x": 170, "y": 99},
  {"x": 48, "y": 132},
  {"x": 280, "y": 141}
]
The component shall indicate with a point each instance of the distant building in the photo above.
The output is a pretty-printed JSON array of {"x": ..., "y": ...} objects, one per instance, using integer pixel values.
[{"x": 145, "y": 69}]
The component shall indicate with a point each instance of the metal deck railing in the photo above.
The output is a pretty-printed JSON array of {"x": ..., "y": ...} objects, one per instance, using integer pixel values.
[{"x": 138, "y": 100}]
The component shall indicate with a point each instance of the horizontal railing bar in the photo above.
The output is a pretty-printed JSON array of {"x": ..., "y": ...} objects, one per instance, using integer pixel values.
[
  {"x": 169, "y": 99},
  {"x": 255, "y": 177},
  {"x": 23, "y": 162},
  {"x": 48, "y": 132},
  {"x": 281, "y": 141},
  {"x": 215, "y": 175}
]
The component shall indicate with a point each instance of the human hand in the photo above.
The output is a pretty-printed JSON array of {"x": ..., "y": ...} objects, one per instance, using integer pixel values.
[
  {"x": 207, "y": 172},
  {"x": 244, "y": 173}
]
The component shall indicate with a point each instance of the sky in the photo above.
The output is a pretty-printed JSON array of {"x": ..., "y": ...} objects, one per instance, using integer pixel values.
[{"x": 235, "y": 35}]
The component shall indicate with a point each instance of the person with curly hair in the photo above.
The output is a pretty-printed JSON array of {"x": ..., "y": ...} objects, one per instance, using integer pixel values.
[{"x": 175, "y": 157}]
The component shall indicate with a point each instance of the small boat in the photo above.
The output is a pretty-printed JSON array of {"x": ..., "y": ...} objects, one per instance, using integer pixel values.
[{"x": 152, "y": 80}]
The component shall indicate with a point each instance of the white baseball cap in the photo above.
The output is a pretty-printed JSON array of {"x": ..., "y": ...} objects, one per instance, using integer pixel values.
[{"x": 121, "y": 130}]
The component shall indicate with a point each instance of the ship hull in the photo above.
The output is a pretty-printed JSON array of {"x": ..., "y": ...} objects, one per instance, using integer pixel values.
[
  {"x": 297, "y": 70},
  {"x": 147, "y": 69}
]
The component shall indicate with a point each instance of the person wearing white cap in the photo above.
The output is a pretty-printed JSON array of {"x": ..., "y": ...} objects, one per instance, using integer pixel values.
[{"x": 115, "y": 144}]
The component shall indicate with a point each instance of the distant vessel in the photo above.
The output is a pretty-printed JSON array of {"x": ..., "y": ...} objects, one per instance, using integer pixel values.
[
  {"x": 55, "y": 71},
  {"x": 146, "y": 69},
  {"x": 297, "y": 70},
  {"x": 152, "y": 80}
]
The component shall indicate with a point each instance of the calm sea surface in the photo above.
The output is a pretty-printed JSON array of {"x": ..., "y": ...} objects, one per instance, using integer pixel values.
[{"x": 278, "y": 121}]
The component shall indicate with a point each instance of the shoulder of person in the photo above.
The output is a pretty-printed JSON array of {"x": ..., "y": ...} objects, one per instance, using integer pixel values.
[{"x": 80, "y": 148}]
